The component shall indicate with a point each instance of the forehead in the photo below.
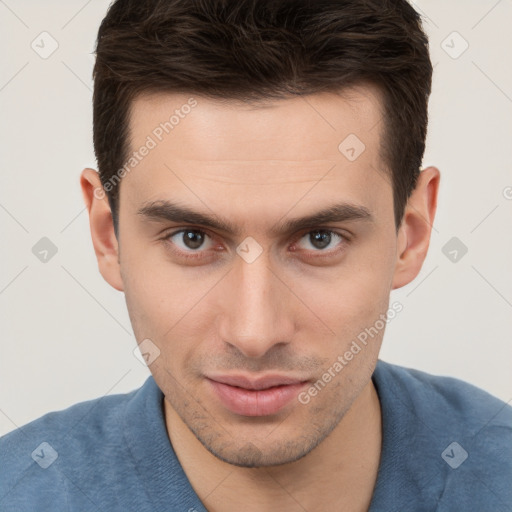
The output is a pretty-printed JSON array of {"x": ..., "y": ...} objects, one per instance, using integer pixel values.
[
  {"x": 306, "y": 128},
  {"x": 273, "y": 152}
]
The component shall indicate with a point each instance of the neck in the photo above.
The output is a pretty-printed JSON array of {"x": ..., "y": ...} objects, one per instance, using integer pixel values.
[{"x": 341, "y": 471}]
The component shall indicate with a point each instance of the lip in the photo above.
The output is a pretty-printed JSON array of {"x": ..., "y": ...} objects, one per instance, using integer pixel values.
[{"x": 262, "y": 396}]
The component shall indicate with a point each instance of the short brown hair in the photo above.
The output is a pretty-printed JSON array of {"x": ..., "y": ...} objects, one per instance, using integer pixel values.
[{"x": 251, "y": 50}]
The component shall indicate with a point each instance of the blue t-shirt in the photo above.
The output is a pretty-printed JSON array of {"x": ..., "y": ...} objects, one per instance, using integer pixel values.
[{"x": 447, "y": 446}]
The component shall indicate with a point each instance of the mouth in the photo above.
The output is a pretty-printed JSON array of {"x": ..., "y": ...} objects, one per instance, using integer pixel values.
[{"x": 255, "y": 397}]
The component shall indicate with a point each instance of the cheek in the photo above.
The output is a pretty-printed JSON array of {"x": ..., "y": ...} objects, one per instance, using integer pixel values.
[
  {"x": 352, "y": 297},
  {"x": 168, "y": 306},
  {"x": 153, "y": 299},
  {"x": 154, "y": 287}
]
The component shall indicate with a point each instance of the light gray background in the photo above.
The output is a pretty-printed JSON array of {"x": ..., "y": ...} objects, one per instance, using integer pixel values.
[{"x": 66, "y": 335}]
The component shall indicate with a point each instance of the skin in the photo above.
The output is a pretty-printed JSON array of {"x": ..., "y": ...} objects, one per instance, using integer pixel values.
[{"x": 292, "y": 311}]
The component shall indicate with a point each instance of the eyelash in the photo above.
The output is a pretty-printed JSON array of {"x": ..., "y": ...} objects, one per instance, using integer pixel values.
[{"x": 196, "y": 255}]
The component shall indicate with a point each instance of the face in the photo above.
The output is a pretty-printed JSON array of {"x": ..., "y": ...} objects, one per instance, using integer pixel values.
[{"x": 249, "y": 290}]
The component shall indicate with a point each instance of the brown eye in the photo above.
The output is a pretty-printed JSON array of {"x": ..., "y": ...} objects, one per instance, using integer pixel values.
[
  {"x": 193, "y": 239},
  {"x": 189, "y": 240},
  {"x": 321, "y": 240}
]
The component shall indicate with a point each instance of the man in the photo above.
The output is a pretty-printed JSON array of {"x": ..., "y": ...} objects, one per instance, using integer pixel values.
[{"x": 259, "y": 195}]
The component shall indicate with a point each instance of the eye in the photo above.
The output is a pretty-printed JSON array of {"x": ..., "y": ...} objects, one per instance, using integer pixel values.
[
  {"x": 190, "y": 240},
  {"x": 196, "y": 245},
  {"x": 321, "y": 240}
]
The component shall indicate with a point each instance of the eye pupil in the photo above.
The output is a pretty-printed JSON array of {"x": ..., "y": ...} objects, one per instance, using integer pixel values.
[
  {"x": 320, "y": 239},
  {"x": 193, "y": 239}
]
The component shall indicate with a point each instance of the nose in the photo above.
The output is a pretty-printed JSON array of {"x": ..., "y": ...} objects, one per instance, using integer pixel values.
[{"x": 257, "y": 308}]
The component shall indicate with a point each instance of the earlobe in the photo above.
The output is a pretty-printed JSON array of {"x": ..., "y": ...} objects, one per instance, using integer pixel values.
[
  {"x": 103, "y": 237},
  {"x": 415, "y": 230}
]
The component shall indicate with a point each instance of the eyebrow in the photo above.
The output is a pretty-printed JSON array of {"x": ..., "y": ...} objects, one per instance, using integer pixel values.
[{"x": 167, "y": 211}]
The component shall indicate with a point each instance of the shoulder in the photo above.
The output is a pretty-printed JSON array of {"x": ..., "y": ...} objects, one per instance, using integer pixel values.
[
  {"x": 449, "y": 433},
  {"x": 82, "y": 421},
  {"x": 449, "y": 399},
  {"x": 50, "y": 453}
]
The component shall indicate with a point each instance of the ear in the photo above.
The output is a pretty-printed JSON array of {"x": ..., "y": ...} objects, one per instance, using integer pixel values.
[
  {"x": 102, "y": 228},
  {"x": 414, "y": 232}
]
